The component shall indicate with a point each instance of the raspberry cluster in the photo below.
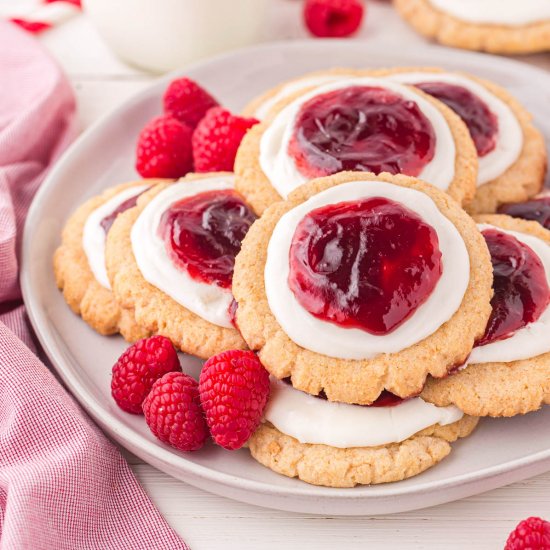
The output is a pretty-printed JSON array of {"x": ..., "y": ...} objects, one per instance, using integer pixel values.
[
  {"x": 227, "y": 403},
  {"x": 193, "y": 134}
]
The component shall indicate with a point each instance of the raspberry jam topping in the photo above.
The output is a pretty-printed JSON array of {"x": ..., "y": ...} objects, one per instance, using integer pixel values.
[
  {"x": 367, "y": 264},
  {"x": 481, "y": 122},
  {"x": 361, "y": 128},
  {"x": 203, "y": 234},
  {"x": 108, "y": 221},
  {"x": 535, "y": 209},
  {"x": 520, "y": 285}
]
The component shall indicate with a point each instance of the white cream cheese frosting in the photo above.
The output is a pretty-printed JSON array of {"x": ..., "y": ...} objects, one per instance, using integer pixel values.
[
  {"x": 509, "y": 139},
  {"x": 511, "y": 13},
  {"x": 281, "y": 170},
  {"x": 292, "y": 87},
  {"x": 209, "y": 301},
  {"x": 310, "y": 419},
  {"x": 534, "y": 338},
  {"x": 347, "y": 343},
  {"x": 94, "y": 237}
]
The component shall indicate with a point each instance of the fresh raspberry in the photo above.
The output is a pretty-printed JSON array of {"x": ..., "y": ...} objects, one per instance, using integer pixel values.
[
  {"x": 530, "y": 534},
  {"x": 164, "y": 149},
  {"x": 173, "y": 412},
  {"x": 234, "y": 387},
  {"x": 137, "y": 369},
  {"x": 217, "y": 138},
  {"x": 185, "y": 100},
  {"x": 333, "y": 18}
]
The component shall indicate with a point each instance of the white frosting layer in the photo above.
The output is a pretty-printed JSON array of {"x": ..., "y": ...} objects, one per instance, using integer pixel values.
[
  {"x": 534, "y": 338},
  {"x": 496, "y": 12},
  {"x": 509, "y": 140},
  {"x": 280, "y": 168},
  {"x": 348, "y": 343},
  {"x": 293, "y": 87},
  {"x": 209, "y": 301},
  {"x": 94, "y": 237},
  {"x": 312, "y": 420}
]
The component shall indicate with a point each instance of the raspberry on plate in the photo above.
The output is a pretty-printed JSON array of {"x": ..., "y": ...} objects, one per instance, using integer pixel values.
[
  {"x": 333, "y": 18},
  {"x": 164, "y": 149},
  {"x": 217, "y": 138},
  {"x": 234, "y": 388},
  {"x": 137, "y": 369},
  {"x": 173, "y": 413},
  {"x": 530, "y": 534},
  {"x": 185, "y": 100}
]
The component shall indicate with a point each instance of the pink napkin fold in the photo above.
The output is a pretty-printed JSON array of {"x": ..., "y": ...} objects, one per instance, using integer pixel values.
[{"x": 63, "y": 485}]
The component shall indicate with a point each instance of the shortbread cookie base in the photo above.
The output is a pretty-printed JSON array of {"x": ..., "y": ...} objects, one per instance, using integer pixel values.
[
  {"x": 335, "y": 467},
  {"x": 524, "y": 178},
  {"x": 497, "y": 389},
  {"x": 86, "y": 297},
  {"x": 360, "y": 381},
  {"x": 446, "y": 29},
  {"x": 254, "y": 185},
  {"x": 153, "y": 309}
]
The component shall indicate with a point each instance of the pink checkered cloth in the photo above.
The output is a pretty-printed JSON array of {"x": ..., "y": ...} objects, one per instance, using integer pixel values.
[{"x": 63, "y": 485}]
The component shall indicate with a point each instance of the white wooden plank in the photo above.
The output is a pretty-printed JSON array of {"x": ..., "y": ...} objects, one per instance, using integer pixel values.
[{"x": 207, "y": 521}]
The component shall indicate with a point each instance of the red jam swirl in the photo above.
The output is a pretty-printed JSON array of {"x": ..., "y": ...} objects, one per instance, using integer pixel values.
[
  {"x": 521, "y": 292},
  {"x": 203, "y": 234},
  {"x": 361, "y": 128},
  {"x": 367, "y": 264},
  {"x": 480, "y": 120},
  {"x": 536, "y": 210},
  {"x": 108, "y": 221}
]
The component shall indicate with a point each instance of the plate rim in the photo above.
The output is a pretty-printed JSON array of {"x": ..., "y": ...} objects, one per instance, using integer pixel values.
[{"x": 123, "y": 433}]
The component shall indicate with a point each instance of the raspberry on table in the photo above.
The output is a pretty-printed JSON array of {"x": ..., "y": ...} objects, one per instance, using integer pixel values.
[
  {"x": 164, "y": 149},
  {"x": 173, "y": 412},
  {"x": 530, "y": 534},
  {"x": 137, "y": 369},
  {"x": 185, "y": 100},
  {"x": 217, "y": 138},
  {"x": 333, "y": 18},
  {"x": 234, "y": 388}
]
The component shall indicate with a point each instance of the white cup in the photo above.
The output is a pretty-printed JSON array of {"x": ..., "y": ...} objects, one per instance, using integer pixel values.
[{"x": 162, "y": 35}]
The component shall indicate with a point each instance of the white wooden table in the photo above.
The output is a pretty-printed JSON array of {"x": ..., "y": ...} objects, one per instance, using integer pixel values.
[{"x": 210, "y": 522}]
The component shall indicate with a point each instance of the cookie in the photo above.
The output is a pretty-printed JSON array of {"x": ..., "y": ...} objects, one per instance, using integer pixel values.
[
  {"x": 536, "y": 209},
  {"x": 261, "y": 106},
  {"x": 170, "y": 260},
  {"x": 497, "y": 26},
  {"x": 335, "y": 467},
  {"x": 512, "y": 152},
  {"x": 79, "y": 263},
  {"x": 289, "y": 148},
  {"x": 347, "y": 363},
  {"x": 514, "y": 377}
]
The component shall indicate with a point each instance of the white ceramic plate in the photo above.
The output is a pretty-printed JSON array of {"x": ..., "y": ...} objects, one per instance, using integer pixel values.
[{"x": 499, "y": 452}]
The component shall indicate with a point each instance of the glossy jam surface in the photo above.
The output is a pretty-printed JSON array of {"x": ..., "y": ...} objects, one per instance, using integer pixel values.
[
  {"x": 481, "y": 121},
  {"x": 362, "y": 129},
  {"x": 536, "y": 209},
  {"x": 108, "y": 221},
  {"x": 520, "y": 285},
  {"x": 203, "y": 234},
  {"x": 367, "y": 264}
]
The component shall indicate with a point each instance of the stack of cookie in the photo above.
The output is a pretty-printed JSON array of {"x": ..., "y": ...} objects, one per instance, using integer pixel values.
[{"x": 343, "y": 252}]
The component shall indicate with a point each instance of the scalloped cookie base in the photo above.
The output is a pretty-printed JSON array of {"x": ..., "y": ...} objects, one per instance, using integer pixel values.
[{"x": 335, "y": 467}]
